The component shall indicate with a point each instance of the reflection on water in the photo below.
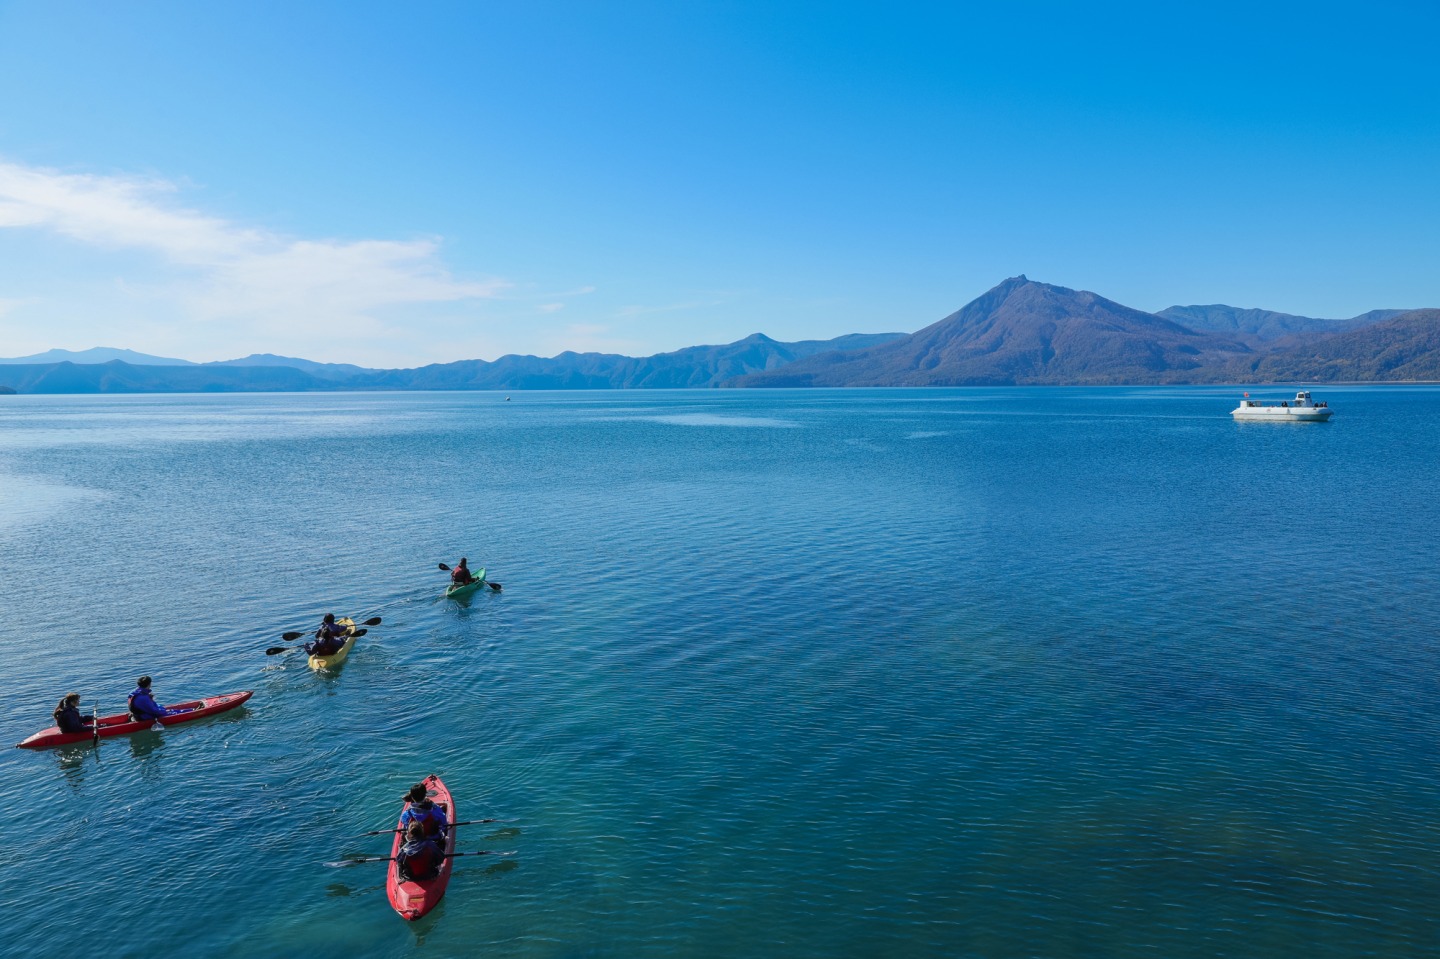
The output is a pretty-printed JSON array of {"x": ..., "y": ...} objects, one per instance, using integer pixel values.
[
  {"x": 143, "y": 745},
  {"x": 73, "y": 761}
]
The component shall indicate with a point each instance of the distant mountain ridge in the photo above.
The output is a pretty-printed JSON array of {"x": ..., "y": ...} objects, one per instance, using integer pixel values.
[
  {"x": 328, "y": 371},
  {"x": 1026, "y": 333},
  {"x": 1020, "y": 332},
  {"x": 99, "y": 354},
  {"x": 696, "y": 366},
  {"x": 1404, "y": 348},
  {"x": 1264, "y": 325}
]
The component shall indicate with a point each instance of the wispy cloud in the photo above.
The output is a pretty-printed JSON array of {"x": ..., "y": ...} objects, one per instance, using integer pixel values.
[{"x": 230, "y": 271}]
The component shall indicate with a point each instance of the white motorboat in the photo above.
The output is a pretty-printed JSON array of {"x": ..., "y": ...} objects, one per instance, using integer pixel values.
[{"x": 1302, "y": 409}]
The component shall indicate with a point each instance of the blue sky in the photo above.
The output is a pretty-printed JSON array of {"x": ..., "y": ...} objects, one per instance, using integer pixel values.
[{"x": 398, "y": 184}]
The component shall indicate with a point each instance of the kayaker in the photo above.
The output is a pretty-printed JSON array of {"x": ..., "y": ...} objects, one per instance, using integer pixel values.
[
  {"x": 431, "y": 817},
  {"x": 461, "y": 575},
  {"x": 68, "y": 718},
  {"x": 328, "y": 638},
  {"x": 419, "y": 858},
  {"x": 142, "y": 704}
]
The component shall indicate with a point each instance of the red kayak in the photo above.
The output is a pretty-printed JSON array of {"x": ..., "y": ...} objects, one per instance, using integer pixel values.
[
  {"x": 413, "y": 899},
  {"x": 123, "y": 725}
]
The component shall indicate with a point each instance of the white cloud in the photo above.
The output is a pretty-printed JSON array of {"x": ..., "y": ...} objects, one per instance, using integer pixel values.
[
  {"x": 311, "y": 288},
  {"x": 551, "y": 307}
]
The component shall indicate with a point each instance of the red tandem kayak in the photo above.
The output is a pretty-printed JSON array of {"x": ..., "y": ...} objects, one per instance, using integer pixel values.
[
  {"x": 123, "y": 725},
  {"x": 413, "y": 899}
]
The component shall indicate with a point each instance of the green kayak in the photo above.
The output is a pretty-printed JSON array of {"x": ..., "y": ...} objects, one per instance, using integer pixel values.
[{"x": 455, "y": 592}]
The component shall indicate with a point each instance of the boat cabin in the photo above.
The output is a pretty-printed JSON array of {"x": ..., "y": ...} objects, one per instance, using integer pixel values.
[{"x": 1302, "y": 400}]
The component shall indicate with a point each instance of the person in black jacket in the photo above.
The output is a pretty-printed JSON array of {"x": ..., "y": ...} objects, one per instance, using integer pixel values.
[
  {"x": 68, "y": 718},
  {"x": 328, "y": 638}
]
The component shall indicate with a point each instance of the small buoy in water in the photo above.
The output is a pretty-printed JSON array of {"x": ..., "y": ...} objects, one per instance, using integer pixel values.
[{"x": 507, "y": 399}]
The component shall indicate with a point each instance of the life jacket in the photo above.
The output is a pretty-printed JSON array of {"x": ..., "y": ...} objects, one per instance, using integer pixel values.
[
  {"x": 430, "y": 816},
  {"x": 149, "y": 709},
  {"x": 419, "y": 859},
  {"x": 328, "y": 640},
  {"x": 460, "y": 576}
]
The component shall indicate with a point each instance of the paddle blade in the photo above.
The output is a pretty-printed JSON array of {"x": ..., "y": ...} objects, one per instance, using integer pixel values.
[
  {"x": 494, "y": 586},
  {"x": 342, "y": 863},
  {"x": 372, "y": 621},
  {"x": 291, "y": 637},
  {"x": 444, "y": 567},
  {"x": 360, "y": 632},
  {"x": 278, "y": 649}
]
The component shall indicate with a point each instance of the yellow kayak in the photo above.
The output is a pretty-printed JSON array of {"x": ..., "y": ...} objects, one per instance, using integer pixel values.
[{"x": 335, "y": 659}]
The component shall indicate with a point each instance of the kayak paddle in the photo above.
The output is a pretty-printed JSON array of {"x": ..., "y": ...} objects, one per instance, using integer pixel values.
[
  {"x": 448, "y": 855},
  {"x": 291, "y": 637},
  {"x": 494, "y": 586},
  {"x": 467, "y": 822},
  {"x": 285, "y": 649}
]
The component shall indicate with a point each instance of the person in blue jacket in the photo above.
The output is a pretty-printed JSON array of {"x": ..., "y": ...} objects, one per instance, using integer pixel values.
[
  {"x": 419, "y": 858},
  {"x": 328, "y": 638},
  {"x": 142, "y": 705},
  {"x": 423, "y": 810}
]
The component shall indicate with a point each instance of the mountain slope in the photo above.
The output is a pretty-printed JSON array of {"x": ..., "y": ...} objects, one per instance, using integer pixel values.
[
  {"x": 1023, "y": 332},
  {"x": 1257, "y": 327},
  {"x": 1405, "y": 347}
]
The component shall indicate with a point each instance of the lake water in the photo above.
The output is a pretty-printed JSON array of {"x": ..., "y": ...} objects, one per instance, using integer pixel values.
[{"x": 972, "y": 672}]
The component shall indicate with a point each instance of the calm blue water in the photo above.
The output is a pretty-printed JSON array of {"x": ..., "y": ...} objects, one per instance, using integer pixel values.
[{"x": 975, "y": 672}]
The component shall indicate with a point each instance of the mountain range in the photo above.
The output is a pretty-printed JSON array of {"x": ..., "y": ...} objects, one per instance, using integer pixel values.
[{"x": 1019, "y": 332}]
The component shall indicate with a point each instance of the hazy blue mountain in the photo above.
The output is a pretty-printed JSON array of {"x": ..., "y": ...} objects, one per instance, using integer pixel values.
[
  {"x": 1022, "y": 332},
  {"x": 1262, "y": 326},
  {"x": 695, "y": 366},
  {"x": 118, "y": 377},
  {"x": 329, "y": 371},
  {"x": 100, "y": 354}
]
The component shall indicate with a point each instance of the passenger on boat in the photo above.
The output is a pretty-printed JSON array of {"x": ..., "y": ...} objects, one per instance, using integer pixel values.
[
  {"x": 419, "y": 858},
  {"x": 143, "y": 707},
  {"x": 461, "y": 575},
  {"x": 68, "y": 718},
  {"x": 328, "y": 638},
  {"x": 431, "y": 816}
]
